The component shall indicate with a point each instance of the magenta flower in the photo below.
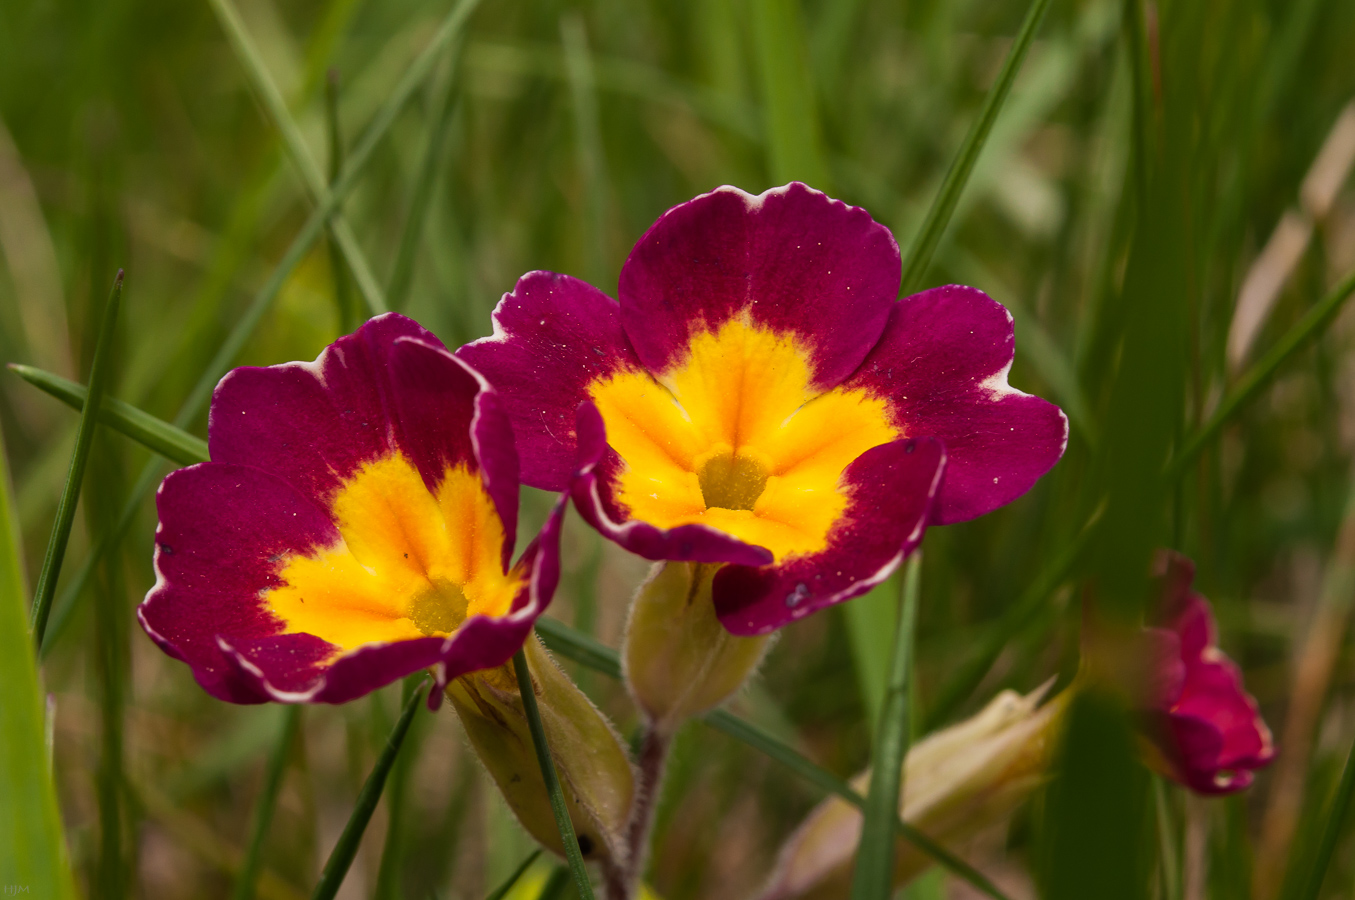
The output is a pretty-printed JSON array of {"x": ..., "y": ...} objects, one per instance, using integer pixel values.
[
  {"x": 759, "y": 398},
  {"x": 1204, "y": 725},
  {"x": 354, "y": 526}
]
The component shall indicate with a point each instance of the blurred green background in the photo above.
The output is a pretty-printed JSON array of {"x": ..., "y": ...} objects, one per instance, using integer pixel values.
[{"x": 1156, "y": 205}]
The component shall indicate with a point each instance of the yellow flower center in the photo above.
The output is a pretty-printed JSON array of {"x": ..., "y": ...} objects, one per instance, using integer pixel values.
[
  {"x": 409, "y": 562},
  {"x": 733, "y": 436}
]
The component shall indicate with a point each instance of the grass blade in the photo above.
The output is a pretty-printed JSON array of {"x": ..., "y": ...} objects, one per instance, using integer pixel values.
[
  {"x": 502, "y": 890},
  {"x": 1311, "y": 326},
  {"x": 970, "y": 673},
  {"x": 938, "y": 216},
  {"x": 341, "y": 857},
  {"x": 156, "y": 435},
  {"x": 1331, "y": 830},
  {"x": 343, "y": 298},
  {"x": 794, "y": 145},
  {"x": 32, "y": 846},
  {"x": 244, "y": 328},
  {"x": 421, "y": 197},
  {"x": 264, "y": 806},
  {"x": 70, "y": 496},
  {"x": 567, "y": 642},
  {"x": 873, "y": 878},
  {"x": 292, "y": 139},
  {"x": 588, "y": 139},
  {"x": 557, "y": 797}
]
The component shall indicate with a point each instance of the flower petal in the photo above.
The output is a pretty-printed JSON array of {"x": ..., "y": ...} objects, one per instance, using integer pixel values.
[
  {"x": 594, "y": 496},
  {"x": 434, "y": 396},
  {"x": 553, "y": 336},
  {"x": 790, "y": 259},
  {"x": 892, "y": 488},
  {"x": 942, "y": 365},
  {"x": 312, "y": 424},
  {"x": 224, "y": 530}
]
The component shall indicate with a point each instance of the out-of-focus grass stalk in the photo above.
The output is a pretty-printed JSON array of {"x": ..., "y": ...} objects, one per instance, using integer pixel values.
[
  {"x": 341, "y": 857},
  {"x": 156, "y": 435},
  {"x": 969, "y": 674},
  {"x": 1314, "y": 664},
  {"x": 588, "y": 140},
  {"x": 1335, "y": 814},
  {"x": 922, "y": 249},
  {"x": 244, "y": 327},
  {"x": 502, "y": 890},
  {"x": 343, "y": 297},
  {"x": 425, "y": 183},
  {"x": 581, "y": 648},
  {"x": 265, "y": 804},
  {"x": 794, "y": 144},
  {"x": 32, "y": 846},
  {"x": 557, "y": 797},
  {"x": 1312, "y": 325},
  {"x": 70, "y": 495},
  {"x": 873, "y": 877},
  {"x": 292, "y": 139}
]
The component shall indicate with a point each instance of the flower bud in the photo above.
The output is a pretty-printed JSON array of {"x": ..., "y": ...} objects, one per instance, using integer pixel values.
[
  {"x": 595, "y": 772},
  {"x": 679, "y": 660},
  {"x": 957, "y": 782}
]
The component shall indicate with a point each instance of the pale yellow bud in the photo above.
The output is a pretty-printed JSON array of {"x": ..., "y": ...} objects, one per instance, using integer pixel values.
[
  {"x": 679, "y": 660},
  {"x": 957, "y": 782},
  {"x": 595, "y": 772}
]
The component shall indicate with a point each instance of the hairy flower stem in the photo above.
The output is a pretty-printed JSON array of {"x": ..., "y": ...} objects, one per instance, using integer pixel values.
[{"x": 654, "y": 745}]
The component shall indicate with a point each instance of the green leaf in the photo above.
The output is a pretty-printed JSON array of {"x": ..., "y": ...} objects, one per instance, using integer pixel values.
[
  {"x": 75, "y": 476},
  {"x": 1311, "y": 326},
  {"x": 873, "y": 878},
  {"x": 557, "y": 796},
  {"x": 502, "y": 890},
  {"x": 32, "y": 847},
  {"x": 157, "y": 435},
  {"x": 938, "y": 216},
  {"x": 794, "y": 146},
  {"x": 1096, "y": 807},
  {"x": 567, "y": 642},
  {"x": 341, "y": 857},
  {"x": 267, "y": 802}
]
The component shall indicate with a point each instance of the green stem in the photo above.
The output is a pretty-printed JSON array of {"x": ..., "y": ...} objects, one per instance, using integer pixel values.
[
  {"x": 943, "y": 207},
  {"x": 341, "y": 857},
  {"x": 557, "y": 796},
  {"x": 75, "y": 476},
  {"x": 267, "y": 802},
  {"x": 567, "y": 642},
  {"x": 873, "y": 878}
]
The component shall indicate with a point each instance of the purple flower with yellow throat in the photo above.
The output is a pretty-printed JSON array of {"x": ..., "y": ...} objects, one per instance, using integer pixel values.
[
  {"x": 759, "y": 398},
  {"x": 355, "y": 525}
]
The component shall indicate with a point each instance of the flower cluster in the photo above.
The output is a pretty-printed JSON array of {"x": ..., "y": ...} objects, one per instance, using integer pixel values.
[{"x": 757, "y": 413}]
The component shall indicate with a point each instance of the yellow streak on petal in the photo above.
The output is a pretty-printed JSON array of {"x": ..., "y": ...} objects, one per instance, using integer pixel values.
[
  {"x": 742, "y": 390},
  {"x": 399, "y": 544}
]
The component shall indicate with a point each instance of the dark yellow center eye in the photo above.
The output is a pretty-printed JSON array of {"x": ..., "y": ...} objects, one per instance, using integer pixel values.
[
  {"x": 732, "y": 482},
  {"x": 440, "y": 609}
]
